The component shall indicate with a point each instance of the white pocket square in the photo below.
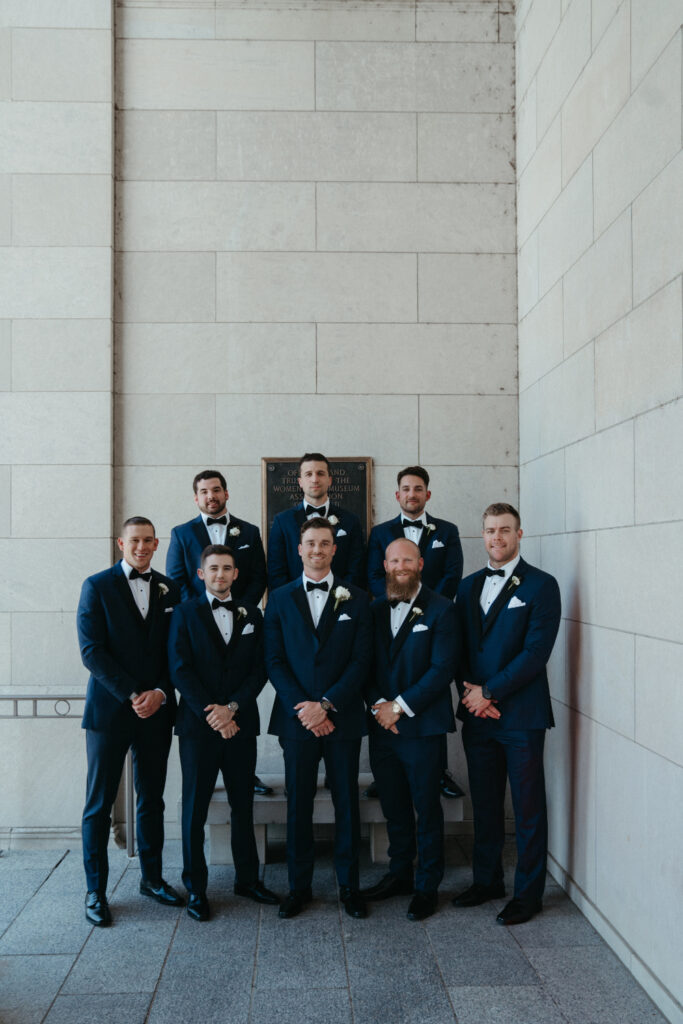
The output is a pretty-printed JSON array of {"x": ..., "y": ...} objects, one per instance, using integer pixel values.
[
  {"x": 516, "y": 603},
  {"x": 344, "y": 618},
  {"x": 438, "y": 544},
  {"x": 249, "y": 628},
  {"x": 341, "y": 533},
  {"x": 167, "y": 611},
  {"x": 419, "y": 628},
  {"x": 242, "y": 547}
]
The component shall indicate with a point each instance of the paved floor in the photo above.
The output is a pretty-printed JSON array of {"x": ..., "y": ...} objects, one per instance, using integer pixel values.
[{"x": 246, "y": 966}]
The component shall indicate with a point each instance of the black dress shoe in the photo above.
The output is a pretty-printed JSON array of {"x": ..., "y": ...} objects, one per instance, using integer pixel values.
[
  {"x": 389, "y": 885},
  {"x": 449, "y": 787},
  {"x": 257, "y": 892},
  {"x": 422, "y": 905},
  {"x": 261, "y": 789},
  {"x": 295, "y": 902},
  {"x": 519, "y": 911},
  {"x": 354, "y": 904},
  {"x": 371, "y": 792},
  {"x": 198, "y": 906},
  {"x": 97, "y": 909},
  {"x": 162, "y": 892},
  {"x": 478, "y": 894}
]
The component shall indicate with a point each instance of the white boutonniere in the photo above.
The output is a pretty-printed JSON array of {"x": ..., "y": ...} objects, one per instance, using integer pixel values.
[
  {"x": 332, "y": 520},
  {"x": 163, "y": 589},
  {"x": 235, "y": 531},
  {"x": 341, "y": 594},
  {"x": 415, "y": 613},
  {"x": 430, "y": 527},
  {"x": 241, "y": 613},
  {"x": 514, "y": 582}
]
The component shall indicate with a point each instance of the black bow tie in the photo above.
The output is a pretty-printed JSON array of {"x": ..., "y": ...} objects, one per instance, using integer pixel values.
[
  {"x": 317, "y": 586},
  {"x": 416, "y": 524},
  {"x": 135, "y": 575},
  {"x": 228, "y": 605},
  {"x": 311, "y": 510},
  {"x": 221, "y": 521},
  {"x": 396, "y": 601},
  {"x": 495, "y": 572}
]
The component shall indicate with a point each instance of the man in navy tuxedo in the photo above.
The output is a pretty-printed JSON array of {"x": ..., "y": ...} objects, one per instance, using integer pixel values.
[
  {"x": 123, "y": 617},
  {"x": 318, "y": 650},
  {"x": 410, "y": 698},
  {"x": 215, "y": 649},
  {"x": 441, "y": 550},
  {"x": 508, "y": 616},
  {"x": 284, "y": 563}
]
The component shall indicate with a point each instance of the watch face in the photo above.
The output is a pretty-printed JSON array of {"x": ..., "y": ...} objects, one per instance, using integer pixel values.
[{"x": 396, "y": 707}]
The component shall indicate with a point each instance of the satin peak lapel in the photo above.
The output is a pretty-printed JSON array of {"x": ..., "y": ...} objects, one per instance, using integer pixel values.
[
  {"x": 502, "y": 599},
  {"x": 301, "y": 601},
  {"x": 410, "y": 620}
]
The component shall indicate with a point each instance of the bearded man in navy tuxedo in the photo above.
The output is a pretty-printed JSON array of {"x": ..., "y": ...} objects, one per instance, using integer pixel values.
[{"x": 508, "y": 616}]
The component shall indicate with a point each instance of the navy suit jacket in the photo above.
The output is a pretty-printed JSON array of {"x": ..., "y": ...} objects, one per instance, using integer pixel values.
[
  {"x": 184, "y": 554},
  {"x": 123, "y": 652},
  {"x": 507, "y": 650},
  {"x": 205, "y": 670},
  {"x": 418, "y": 664},
  {"x": 440, "y": 548},
  {"x": 305, "y": 663},
  {"x": 284, "y": 563}
]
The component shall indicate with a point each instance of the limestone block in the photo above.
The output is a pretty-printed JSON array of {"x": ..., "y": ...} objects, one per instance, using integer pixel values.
[
  {"x": 44, "y": 428},
  {"x": 648, "y": 129},
  {"x": 568, "y": 404},
  {"x": 558, "y": 679},
  {"x": 566, "y": 231},
  {"x": 45, "y": 652},
  {"x": 468, "y": 218},
  {"x": 538, "y": 26},
  {"x": 657, "y": 231},
  {"x": 156, "y": 22},
  {"x": 600, "y": 485},
  {"x": 341, "y": 426},
  {"x": 563, "y": 61},
  {"x": 165, "y": 287},
  {"x": 62, "y": 209},
  {"x": 5, "y": 650},
  {"x": 598, "y": 288},
  {"x": 659, "y": 488},
  {"x": 540, "y": 182},
  {"x": 464, "y": 288},
  {"x": 61, "y": 64},
  {"x": 166, "y": 144},
  {"x": 528, "y": 275},
  {"x": 658, "y": 671},
  {"x": 531, "y": 549},
  {"x": 526, "y": 128},
  {"x": 212, "y": 215},
  {"x": 79, "y": 501},
  {"x": 457, "y": 21},
  {"x": 601, "y": 670},
  {"x": 61, "y": 355},
  {"x": 45, "y": 14},
  {"x": 651, "y": 31},
  {"x": 601, "y": 16},
  {"x": 5, "y": 501},
  {"x": 308, "y": 19},
  {"x": 55, "y": 282},
  {"x": 454, "y": 77},
  {"x": 5, "y": 355},
  {"x": 5, "y": 209},
  {"x": 541, "y": 338},
  {"x": 599, "y": 94},
  {"x": 314, "y": 146},
  {"x": 468, "y": 430},
  {"x": 5, "y": 63},
  {"x": 630, "y": 592},
  {"x": 165, "y": 430},
  {"x": 379, "y": 359},
  {"x": 474, "y": 555},
  {"x": 179, "y": 74},
  {"x": 542, "y": 481},
  {"x": 466, "y": 147},
  {"x": 24, "y": 562},
  {"x": 633, "y": 375},
  {"x": 296, "y": 287},
  {"x": 55, "y": 138},
  {"x": 570, "y": 558},
  {"x": 530, "y": 411},
  {"x": 506, "y": 21},
  {"x": 205, "y": 358},
  {"x": 47, "y": 790}
]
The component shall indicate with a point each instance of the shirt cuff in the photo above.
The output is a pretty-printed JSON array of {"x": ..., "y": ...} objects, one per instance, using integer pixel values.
[
  {"x": 410, "y": 714},
  {"x": 380, "y": 700},
  {"x": 159, "y": 690}
]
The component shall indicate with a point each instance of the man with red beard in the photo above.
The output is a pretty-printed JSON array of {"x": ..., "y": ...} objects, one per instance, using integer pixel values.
[{"x": 410, "y": 701}]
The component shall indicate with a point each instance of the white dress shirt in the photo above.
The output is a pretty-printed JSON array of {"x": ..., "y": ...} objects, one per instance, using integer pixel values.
[
  {"x": 217, "y": 532},
  {"x": 414, "y": 533},
  {"x": 494, "y": 584},
  {"x": 223, "y": 617},
  {"x": 311, "y": 515},
  {"x": 139, "y": 588},
  {"x": 317, "y": 599},
  {"x": 398, "y": 616}
]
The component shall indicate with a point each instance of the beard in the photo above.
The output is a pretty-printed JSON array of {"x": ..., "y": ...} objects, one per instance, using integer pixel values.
[{"x": 402, "y": 588}]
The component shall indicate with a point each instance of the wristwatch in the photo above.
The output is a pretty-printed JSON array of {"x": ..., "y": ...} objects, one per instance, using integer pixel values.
[
  {"x": 233, "y": 706},
  {"x": 396, "y": 708},
  {"x": 326, "y": 704},
  {"x": 486, "y": 693}
]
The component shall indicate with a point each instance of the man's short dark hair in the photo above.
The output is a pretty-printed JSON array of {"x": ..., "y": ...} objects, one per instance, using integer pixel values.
[
  {"x": 208, "y": 474},
  {"x": 138, "y": 521},
  {"x": 314, "y": 457},
  {"x": 414, "y": 471},
  {"x": 316, "y": 523},
  {"x": 217, "y": 549},
  {"x": 501, "y": 508}
]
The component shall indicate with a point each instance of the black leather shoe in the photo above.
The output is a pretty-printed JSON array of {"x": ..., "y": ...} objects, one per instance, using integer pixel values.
[
  {"x": 389, "y": 885},
  {"x": 295, "y": 902},
  {"x": 422, "y": 905},
  {"x": 97, "y": 909},
  {"x": 198, "y": 906},
  {"x": 478, "y": 894},
  {"x": 163, "y": 893},
  {"x": 354, "y": 904},
  {"x": 449, "y": 787},
  {"x": 261, "y": 789},
  {"x": 257, "y": 892},
  {"x": 371, "y": 792},
  {"x": 518, "y": 911}
]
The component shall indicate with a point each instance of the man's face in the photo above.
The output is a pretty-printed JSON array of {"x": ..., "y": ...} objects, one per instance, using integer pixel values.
[
  {"x": 315, "y": 482},
  {"x": 218, "y": 573},
  {"x": 403, "y": 566},
  {"x": 138, "y": 544},
  {"x": 501, "y": 537},
  {"x": 412, "y": 495},
  {"x": 211, "y": 497},
  {"x": 317, "y": 550}
]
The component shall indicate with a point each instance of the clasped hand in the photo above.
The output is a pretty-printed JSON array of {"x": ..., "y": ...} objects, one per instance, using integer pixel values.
[
  {"x": 385, "y": 717},
  {"x": 476, "y": 703},
  {"x": 222, "y": 720},
  {"x": 147, "y": 703},
  {"x": 313, "y": 718}
]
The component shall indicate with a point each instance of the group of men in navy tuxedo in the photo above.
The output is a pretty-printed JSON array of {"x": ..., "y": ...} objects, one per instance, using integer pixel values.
[{"x": 342, "y": 668}]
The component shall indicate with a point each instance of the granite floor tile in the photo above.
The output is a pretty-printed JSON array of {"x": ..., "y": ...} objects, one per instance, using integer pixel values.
[
  {"x": 560, "y": 923},
  {"x": 118, "y": 1008},
  {"x": 208, "y": 989},
  {"x": 504, "y": 1004},
  {"x": 387, "y": 1004},
  {"x": 16, "y": 889},
  {"x": 471, "y": 949},
  {"x": 318, "y": 1005},
  {"x": 293, "y": 951},
  {"x": 233, "y": 927},
  {"x": 28, "y": 985},
  {"x": 386, "y": 944}
]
